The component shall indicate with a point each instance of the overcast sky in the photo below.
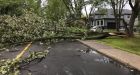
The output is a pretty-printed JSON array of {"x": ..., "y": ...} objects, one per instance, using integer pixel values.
[{"x": 88, "y": 7}]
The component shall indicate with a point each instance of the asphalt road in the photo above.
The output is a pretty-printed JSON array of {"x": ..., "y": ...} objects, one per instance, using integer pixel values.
[{"x": 74, "y": 58}]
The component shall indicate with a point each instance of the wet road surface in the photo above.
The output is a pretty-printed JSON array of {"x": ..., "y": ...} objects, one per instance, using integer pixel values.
[
  {"x": 74, "y": 58},
  {"x": 69, "y": 58}
]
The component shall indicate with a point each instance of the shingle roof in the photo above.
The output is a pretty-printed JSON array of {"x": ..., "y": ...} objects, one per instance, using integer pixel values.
[{"x": 109, "y": 13}]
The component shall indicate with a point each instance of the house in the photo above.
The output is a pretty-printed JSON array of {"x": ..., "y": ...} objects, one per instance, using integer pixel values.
[{"x": 107, "y": 19}]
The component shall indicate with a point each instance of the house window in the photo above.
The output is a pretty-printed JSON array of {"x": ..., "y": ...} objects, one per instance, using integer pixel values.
[
  {"x": 101, "y": 22},
  {"x": 98, "y": 22}
]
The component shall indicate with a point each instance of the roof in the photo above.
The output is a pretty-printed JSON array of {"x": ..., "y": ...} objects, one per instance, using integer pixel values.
[
  {"x": 109, "y": 14},
  {"x": 110, "y": 11}
]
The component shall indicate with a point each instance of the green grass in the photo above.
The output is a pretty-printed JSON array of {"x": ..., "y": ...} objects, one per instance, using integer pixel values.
[{"x": 127, "y": 44}]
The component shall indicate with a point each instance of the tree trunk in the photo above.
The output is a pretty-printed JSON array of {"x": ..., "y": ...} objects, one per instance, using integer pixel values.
[
  {"x": 118, "y": 24},
  {"x": 135, "y": 12},
  {"x": 126, "y": 27},
  {"x": 131, "y": 24},
  {"x": 139, "y": 19}
]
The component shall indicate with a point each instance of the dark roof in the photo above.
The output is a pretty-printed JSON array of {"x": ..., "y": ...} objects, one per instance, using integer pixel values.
[
  {"x": 109, "y": 14},
  {"x": 110, "y": 11}
]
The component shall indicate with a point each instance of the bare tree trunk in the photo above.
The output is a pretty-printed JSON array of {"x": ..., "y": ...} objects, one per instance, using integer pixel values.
[
  {"x": 126, "y": 27},
  {"x": 135, "y": 12},
  {"x": 131, "y": 24},
  {"x": 118, "y": 6},
  {"x": 117, "y": 21},
  {"x": 117, "y": 24}
]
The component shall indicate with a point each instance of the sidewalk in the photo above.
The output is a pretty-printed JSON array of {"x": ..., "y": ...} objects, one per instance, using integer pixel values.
[{"x": 127, "y": 58}]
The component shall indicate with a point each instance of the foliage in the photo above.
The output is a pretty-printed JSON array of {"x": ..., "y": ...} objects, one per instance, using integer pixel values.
[
  {"x": 55, "y": 10},
  {"x": 11, "y": 67},
  {"x": 35, "y": 55},
  {"x": 77, "y": 23},
  {"x": 76, "y": 29},
  {"x": 74, "y": 7},
  {"x": 35, "y": 5},
  {"x": 14, "y": 29},
  {"x": 11, "y": 7},
  {"x": 49, "y": 34},
  {"x": 15, "y": 7},
  {"x": 74, "y": 32}
]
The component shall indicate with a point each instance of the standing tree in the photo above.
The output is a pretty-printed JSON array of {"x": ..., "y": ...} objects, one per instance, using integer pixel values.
[
  {"x": 117, "y": 6},
  {"x": 34, "y": 5},
  {"x": 11, "y": 7},
  {"x": 135, "y": 12},
  {"x": 74, "y": 7},
  {"x": 135, "y": 5},
  {"x": 55, "y": 11},
  {"x": 139, "y": 19}
]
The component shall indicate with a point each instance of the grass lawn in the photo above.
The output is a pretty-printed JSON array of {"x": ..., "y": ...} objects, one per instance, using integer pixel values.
[{"x": 127, "y": 44}]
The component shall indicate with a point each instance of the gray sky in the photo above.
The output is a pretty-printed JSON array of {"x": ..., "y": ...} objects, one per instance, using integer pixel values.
[{"x": 88, "y": 7}]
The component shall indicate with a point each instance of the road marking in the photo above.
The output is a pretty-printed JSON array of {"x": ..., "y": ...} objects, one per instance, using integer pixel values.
[{"x": 23, "y": 51}]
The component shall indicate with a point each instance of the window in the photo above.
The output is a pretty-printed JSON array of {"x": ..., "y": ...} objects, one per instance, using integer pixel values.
[
  {"x": 98, "y": 22},
  {"x": 101, "y": 22}
]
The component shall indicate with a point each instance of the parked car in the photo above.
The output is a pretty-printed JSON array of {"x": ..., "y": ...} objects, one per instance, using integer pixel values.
[
  {"x": 94, "y": 28},
  {"x": 97, "y": 29},
  {"x": 122, "y": 29}
]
